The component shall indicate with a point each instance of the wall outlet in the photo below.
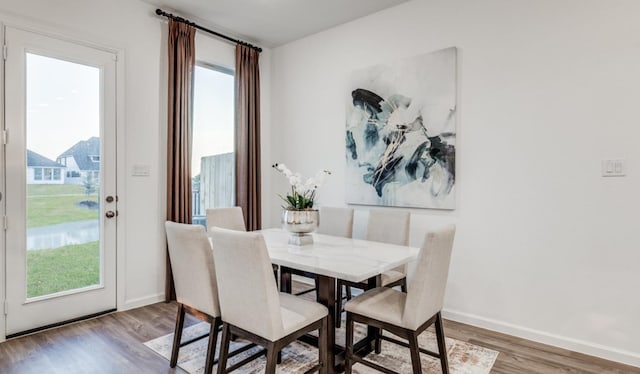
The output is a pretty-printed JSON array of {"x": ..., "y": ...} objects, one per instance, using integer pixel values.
[{"x": 614, "y": 168}]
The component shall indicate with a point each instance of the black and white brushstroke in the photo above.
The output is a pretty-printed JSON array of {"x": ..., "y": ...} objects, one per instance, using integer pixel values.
[{"x": 401, "y": 133}]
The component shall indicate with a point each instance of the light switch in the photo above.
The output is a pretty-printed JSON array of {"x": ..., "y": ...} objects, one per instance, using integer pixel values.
[
  {"x": 140, "y": 170},
  {"x": 614, "y": 168}
]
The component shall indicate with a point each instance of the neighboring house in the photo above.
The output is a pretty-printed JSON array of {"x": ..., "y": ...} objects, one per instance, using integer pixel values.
[
  {"x": 82, "y": 161},
  {"x": 41, "y": 170}
]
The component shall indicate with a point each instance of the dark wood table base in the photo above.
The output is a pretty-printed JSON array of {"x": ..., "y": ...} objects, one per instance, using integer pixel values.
[{"x": 326, "y": 295}]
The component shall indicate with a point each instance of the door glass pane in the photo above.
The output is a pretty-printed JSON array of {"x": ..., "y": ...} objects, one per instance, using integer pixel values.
[
  {"x": 213, "y": 157},
  {"x": 63, "y": 186}
]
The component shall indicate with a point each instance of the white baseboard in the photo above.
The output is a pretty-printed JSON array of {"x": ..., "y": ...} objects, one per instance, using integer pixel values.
[
  {"x": 141, "y": 301},
  {"x": 592, "y": 349}
]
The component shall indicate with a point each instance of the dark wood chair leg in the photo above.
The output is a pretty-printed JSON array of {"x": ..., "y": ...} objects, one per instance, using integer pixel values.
[
  {"x": 275, "y": 273},
  {"x": 403, "y": 286},
  {"x": 177, "y": 336},
  {"x": 378, "y": 343},
  {"x": 442, "y": 347},
  {"x": 348, "y": 359},
  {"x": 279, "y": 358},
  {"x": 224, "y": 349},
  {"x": 415, "y": 352},
  {"x": 338, "y": 317},
  {"x": 211, "y": 347},
  {"x": 272, "y": 358},
  {"x": 315, "y": 281},
  {"x": 348, "y": 289}
]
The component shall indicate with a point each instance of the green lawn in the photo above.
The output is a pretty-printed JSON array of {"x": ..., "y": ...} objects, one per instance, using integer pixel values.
[
  {"x": 64, "y": 268},
  {"x": 55, "y": 189},
  {"x": 51, "y": 204}
]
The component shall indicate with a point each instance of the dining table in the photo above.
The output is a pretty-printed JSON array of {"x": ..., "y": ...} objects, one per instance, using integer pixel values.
[{"x": 331, "y": 258}]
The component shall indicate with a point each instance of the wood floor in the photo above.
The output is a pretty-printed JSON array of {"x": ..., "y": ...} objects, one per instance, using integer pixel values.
[{"x": 113, "y": 344}]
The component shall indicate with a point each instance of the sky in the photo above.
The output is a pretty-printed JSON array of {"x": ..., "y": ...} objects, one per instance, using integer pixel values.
[
  {"x": 63, "y": 104},
  {"x": 213, "y": 115},
  {"x": 63, "y": 108}
]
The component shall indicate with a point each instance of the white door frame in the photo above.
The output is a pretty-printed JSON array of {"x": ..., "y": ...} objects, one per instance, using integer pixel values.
[{"x": 67, "y": 35}]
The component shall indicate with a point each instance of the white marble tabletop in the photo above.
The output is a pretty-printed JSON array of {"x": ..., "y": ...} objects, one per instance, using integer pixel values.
[{"x": 349, "y": 259}]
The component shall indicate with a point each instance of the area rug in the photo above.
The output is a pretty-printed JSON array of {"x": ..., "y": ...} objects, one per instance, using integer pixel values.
[{"x": 464, "y": 358}]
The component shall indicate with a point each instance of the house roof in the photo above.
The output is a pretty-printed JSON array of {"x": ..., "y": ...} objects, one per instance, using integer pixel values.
[
  {"x": 82, "y": 152},
  {"x": 35, "y": 159}
]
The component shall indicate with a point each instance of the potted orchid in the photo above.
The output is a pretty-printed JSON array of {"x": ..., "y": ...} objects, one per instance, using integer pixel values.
[
  {"x": 298, "y": 215},
  {"x": 303, "y": 193}
]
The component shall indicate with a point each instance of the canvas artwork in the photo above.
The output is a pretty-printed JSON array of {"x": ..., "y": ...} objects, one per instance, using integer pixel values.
[{"x": 401, "y": 133}]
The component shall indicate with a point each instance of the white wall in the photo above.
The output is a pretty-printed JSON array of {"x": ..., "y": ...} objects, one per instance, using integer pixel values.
[
  {"x": 546, "y": 248},
  {"x": 134, "y": 29}
]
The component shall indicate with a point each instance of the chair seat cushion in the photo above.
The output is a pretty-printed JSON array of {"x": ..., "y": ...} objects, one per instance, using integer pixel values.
[
  {"x": 298, "y": 313},
  {"x": 382, "y": 304},
  {"x": 391, "y": 276}
]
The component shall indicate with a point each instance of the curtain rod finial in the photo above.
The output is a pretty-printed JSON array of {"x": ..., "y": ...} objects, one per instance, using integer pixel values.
[{"x": 159, "y": 11}]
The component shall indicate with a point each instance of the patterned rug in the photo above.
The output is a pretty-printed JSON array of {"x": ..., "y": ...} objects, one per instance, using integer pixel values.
[{"x": 464, "y": 358}]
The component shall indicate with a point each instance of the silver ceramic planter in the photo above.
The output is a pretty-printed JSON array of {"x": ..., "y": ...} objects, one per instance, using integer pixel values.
[{"x": 300, "y": 223}]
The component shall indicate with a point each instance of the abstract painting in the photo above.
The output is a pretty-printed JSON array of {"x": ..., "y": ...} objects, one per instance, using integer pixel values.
[{"x": 401, "y": 133}]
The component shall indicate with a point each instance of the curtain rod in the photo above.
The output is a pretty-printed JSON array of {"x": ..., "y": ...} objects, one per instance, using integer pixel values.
[{"x": 161, "y": 12}]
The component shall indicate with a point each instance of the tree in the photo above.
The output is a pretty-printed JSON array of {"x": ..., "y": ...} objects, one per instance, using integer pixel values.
[{"x": 89, "y": 184}]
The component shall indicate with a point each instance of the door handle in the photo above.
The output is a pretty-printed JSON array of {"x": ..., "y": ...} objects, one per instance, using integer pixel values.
[{"x": 110, "y": 214}]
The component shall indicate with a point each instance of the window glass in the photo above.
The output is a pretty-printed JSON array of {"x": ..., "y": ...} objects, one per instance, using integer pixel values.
[
  {"x": 37, "y": 174},
  {"x": 213, "y": 158}
]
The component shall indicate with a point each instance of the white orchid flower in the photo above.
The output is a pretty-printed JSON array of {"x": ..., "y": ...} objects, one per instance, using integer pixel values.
[
  {"x": 310, "y": 184},
  {"x": 294, "y": 180},
  {"x": 303, "y": 191}
]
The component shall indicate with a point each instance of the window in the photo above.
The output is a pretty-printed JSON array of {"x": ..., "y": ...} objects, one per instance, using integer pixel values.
[
  {"x": 213, "y": 159},
  {"x": 56, "y": 174},
  {"x": 37, "y": 174},
  {"x": 95, "y": 158}
]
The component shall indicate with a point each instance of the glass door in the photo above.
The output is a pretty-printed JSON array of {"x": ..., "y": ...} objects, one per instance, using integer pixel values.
[{"x": 60, "y": 180}]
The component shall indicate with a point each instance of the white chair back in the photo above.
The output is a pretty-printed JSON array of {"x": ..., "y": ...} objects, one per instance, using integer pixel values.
[
  {"x": 336, "y": 221},
  {"x": 246, "y": 287},
  {"x": 192, "y": 265},
  {"x": 228, "y": 218},
  {"x": 389, "y": 226},
  {"x": 425, "y": 295}
]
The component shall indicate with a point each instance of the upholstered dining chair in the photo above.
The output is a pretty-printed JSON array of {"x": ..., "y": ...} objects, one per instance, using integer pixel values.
[
  {"x": 250, "y": 305},
  {"x": 232, "y": 219},
  {"x": 195, "y": 283},
  {"x": 408, "y": 314},
  {"x": 336, "y": 221},
  {"x": 385, "y": 226},
  {"x": 228, "y": 218},
  {"x": 333, "y": 221}
]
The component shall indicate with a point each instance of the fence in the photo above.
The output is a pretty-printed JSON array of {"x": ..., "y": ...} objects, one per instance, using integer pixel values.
[{"x": 216, "y": 185}]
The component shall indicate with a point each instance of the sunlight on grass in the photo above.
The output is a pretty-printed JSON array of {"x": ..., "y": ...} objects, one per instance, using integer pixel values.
[{"x": 61, "y": 269}]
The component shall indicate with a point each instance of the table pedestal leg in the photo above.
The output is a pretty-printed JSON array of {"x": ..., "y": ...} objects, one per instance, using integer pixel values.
[
  {"x": 285, "y": 279},
  {"x": 327, "y": 297}
]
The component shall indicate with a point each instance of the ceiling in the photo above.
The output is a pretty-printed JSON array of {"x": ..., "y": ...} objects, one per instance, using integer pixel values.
[{"x": 271, "y": 23}]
